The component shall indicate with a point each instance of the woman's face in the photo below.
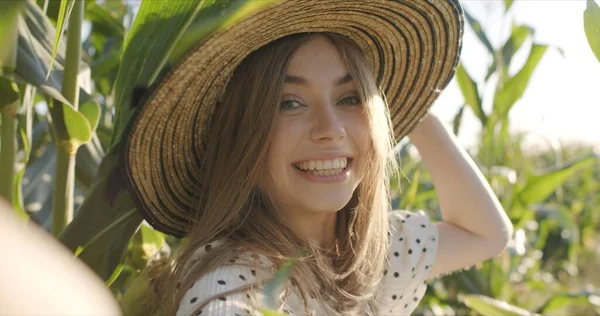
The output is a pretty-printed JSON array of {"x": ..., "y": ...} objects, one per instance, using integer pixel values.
[{"x": 320, "y": 137}]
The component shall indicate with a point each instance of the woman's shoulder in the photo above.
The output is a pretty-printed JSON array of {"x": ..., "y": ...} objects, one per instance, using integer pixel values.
[
  {"x": 412, "y": 249},
  {"x": 230, "y": 288}
]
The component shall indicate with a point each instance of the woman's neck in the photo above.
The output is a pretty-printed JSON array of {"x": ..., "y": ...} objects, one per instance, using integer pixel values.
[{"x": 317, "y": 228}]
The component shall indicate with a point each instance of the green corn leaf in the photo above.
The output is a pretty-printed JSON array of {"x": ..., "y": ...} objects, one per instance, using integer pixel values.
[
  {"x": 211, "y": 19},
  {"x": 539, "y": 187},
  {"x": 591, "y": 24},
  {"x": 557, "y": 304},
  {"x": 170, "y": 29},
  {"x": 456, "y": 122},
  {"x": 488, "y": 306},
  {"x": 9, "y": 17},
  {"x": 514, "y": 87},
  {"x": 102, "y": 21},
  {"x": 66, "y": 6},
  {"x": 115, "y": 275},
  {"x": 91, "y": 111},
  {"x": 468, "y": 87},
  {"x": 35, "y": 50},
  {"x": 152, "y": 240},
  {"x": 518, "y": 36},
  {"x": 478, "y": 29},
  {"x": 78, "y": 127}
]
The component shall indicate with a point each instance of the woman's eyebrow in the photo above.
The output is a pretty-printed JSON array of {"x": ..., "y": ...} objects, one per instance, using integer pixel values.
[{"x": 297, "y": 80}]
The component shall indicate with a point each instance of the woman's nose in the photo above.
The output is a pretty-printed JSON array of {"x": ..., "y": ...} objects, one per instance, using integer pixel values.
[{"x": 328, "y": 125}]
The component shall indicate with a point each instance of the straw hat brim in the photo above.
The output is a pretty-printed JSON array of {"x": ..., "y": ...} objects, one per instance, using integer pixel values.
[{"x": 412, "y": 46}]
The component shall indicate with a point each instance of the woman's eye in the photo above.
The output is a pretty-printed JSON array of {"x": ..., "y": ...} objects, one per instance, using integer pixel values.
[
  {"x": 289, "y": 105},
  {"x": 351, "y": 100}
]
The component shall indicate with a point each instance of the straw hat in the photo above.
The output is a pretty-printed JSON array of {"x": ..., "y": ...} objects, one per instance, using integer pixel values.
[{"x": 412, "y": 46}]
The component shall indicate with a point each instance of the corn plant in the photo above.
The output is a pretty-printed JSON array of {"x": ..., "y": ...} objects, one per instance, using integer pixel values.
[{"x": 551, "y": 197}]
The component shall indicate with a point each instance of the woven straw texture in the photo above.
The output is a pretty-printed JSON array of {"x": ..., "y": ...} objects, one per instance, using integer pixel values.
[{"x": 412, "y": 46}]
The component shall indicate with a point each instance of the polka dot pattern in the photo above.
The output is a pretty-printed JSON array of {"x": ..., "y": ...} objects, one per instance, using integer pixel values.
[
  {"x": 412, "y": 249},
  {"x": 414, "y": 238}
]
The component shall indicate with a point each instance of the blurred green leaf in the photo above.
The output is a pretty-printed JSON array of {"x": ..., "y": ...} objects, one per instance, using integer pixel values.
[
  {"x": 591, "y": 24},
  {"x": 488, "y": 306},
  {"x": 478, "y": 29},
  {"x": 114, "y": 276},
  {"x": 539, "y": 187},
  {"x": 102, "y": 21},
  {"x": 514, "y": 87},
  {"x": 519, "y": 34},
  {"x": 9, "y": 17},
  {"x": 152, "y": 240},
  {"x": 270, "y": 312},
  {"x": 273, "y": 287},
  {"x": 468, "y": 87},
  {"x": 470, "y": 92},
  {"x": 63, "y": 15},
  {"x": 458, "y": 120},
  {"x": 508, "y": 4},
  {"x": 558, "y": 303},
  {"x": 408, "y": 199}
]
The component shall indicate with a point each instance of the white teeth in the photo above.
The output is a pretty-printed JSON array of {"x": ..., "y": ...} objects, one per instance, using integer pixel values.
[
  {"x": 332, "y": 164},
  {"x": 320, "y": 173},
  {"x": 336, "y": 163}
]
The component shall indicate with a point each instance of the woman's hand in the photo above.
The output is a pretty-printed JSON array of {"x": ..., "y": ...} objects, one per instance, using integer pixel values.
[{"x": 475, "y": 226}]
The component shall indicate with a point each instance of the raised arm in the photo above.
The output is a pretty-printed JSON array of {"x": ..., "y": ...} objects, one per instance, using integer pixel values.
[{"x": 475, "y": 226}]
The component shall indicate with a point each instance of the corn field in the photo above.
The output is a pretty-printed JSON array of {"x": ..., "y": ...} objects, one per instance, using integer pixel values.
[{"x": 72, "y": 72}]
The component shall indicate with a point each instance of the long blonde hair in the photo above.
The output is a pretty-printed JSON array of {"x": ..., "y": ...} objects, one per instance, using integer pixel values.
[{"x": 233, "y": 209}]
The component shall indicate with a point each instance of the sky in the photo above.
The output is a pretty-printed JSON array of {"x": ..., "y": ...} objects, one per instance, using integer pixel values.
[{"x": 562, "y": 101}]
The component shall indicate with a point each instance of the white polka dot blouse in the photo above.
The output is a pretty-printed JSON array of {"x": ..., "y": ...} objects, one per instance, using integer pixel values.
[{"x": 413, "y": 245}]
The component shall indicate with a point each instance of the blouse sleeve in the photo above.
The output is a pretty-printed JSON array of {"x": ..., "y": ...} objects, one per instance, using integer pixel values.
[
  {"x": 214, "y": 286},
  {"x": 413, "y": 247}
]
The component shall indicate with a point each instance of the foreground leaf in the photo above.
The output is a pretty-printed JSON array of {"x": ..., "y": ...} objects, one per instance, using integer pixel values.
[
  {"x": 591, "y": 24},
  {"x": 488, "y": 306},
  {"x": 558, "y": 303},
  {"x": 273, "y": 287}
]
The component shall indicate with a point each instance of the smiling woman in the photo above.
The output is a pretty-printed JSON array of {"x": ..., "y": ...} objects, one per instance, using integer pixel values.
[{"x": 273, "y": 142}]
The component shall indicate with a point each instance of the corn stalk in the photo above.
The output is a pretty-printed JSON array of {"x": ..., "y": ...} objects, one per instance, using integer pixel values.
[{"x": 64, "y": 179}]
